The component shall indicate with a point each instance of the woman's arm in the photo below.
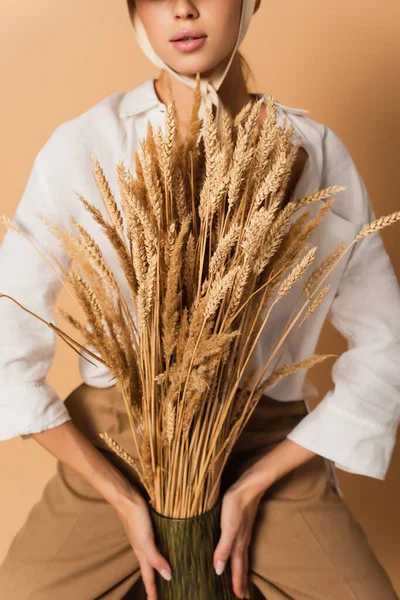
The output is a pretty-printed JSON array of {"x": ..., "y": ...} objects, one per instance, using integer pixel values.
[
  {"x": 355, "y": 423},
  {"x": 28, "y": 403},
  {"x": 68, "y": 444},
  {"x": 282, "y": 459},
  {"x": 240, "y": 504}
]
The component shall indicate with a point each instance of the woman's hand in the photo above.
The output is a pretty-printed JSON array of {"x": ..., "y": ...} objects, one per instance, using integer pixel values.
[
  {"x": 240, "y": 503},
  {"x": 136, "y": 520},
  {"x": 68, "y": 444},
  {"x": 238, "y": 512}
]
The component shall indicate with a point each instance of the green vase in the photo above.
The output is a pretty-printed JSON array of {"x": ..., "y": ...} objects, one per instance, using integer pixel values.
[{"x": 188, "y": 544}]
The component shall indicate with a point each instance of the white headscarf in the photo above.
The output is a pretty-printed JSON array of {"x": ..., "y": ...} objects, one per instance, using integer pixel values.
[{"x": 208, "y": 86}]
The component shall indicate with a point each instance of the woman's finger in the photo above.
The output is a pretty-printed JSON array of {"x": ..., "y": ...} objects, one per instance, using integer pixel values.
[
  {"x": 157, "y": 560},
  {"x": 245, "y": 584},
  {"x": 238, "y": 569},
  {"x": 224, "y": 546},
  {"x": 149, "y": 579}
]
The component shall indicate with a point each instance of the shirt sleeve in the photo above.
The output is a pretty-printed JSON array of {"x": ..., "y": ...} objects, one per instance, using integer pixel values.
[
  {"x": 355, "y": 423},
  {"x": 28, "y": 404}
]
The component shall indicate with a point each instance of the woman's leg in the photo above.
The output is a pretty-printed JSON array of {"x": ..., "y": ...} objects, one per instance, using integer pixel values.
[
  {"x": 73, "y": 544},
  {"x": 306, "y": 543}
]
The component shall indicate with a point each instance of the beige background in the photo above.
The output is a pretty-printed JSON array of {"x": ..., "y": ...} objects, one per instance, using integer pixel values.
[{"x": 339, "y": 60}]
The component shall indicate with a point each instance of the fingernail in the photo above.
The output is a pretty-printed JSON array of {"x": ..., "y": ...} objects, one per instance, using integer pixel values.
[
  {"x": 166, "y": 574},
  {"x": 220, "y": 567}
]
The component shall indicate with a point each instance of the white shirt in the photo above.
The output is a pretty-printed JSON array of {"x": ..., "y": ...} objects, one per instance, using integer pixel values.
[{"x": 354, "y": 425}]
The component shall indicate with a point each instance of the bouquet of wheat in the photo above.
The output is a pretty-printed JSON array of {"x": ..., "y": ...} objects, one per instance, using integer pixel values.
[{"x": 208, "y": 248}]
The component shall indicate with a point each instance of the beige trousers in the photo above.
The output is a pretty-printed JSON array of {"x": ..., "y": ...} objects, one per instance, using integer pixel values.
[{"x": 306, "y": 544}]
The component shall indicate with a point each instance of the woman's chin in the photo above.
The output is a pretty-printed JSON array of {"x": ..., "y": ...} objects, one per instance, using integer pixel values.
[{"x": 191, "y": 67}]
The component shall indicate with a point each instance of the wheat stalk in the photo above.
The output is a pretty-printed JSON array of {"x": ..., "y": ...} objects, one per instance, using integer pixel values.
[{"x": 206, "y": 237}]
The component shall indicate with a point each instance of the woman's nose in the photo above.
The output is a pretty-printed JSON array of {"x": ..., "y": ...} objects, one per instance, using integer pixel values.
[{"x": 185, "y": 9}]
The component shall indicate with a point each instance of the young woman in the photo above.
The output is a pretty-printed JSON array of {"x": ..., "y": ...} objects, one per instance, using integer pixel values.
[{"x": 284, "y": 526}]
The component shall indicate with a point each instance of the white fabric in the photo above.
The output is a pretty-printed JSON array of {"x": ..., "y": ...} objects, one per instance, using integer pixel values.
[
  {"x": 354, "y": 425},
  {"x": 208, "y": 86}
]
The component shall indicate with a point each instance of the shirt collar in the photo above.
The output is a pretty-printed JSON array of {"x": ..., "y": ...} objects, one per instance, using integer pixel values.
[
  {"x": 144, "y": 96},
  {"x": 140, "y": 99}
]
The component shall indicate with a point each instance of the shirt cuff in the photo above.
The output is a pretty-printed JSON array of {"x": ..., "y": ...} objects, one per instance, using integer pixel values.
[
  {"x": 29, "y": 408},
  {"x": 354, "y": 444}
]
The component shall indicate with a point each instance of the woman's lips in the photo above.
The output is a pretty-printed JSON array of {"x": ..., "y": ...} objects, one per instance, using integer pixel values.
[{"x": 189, "y": 45}]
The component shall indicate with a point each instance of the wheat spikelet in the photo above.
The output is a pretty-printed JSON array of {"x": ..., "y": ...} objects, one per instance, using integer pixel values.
[
  {"x": 108, "y": 198},
  {"x": 288, "y": 238},
  {"x": 169, "y": 243},
  {"x": 324, "y": 266},
  {"x": 169, "y": 420},
  {"x": 255, "y": 232},
  {"x": 239, "y": 287},
  {"x": 296, "y": 273},
  {"x": 96, "y": 256},
  {"x": 68, "y": 241},
  {"x": 250, "y": 121},
  {"x": 196, "y": 322},
  {"x": 286, "y": 370},
  {"x": 378, "y": 224},
  {"x": 200, "y": 378},
  {"x": 297, "y": 243},
  {"x": 271, "y": 180},
  {"x": 194, "y": 121},
  {"x": 91, "y": 249},
  {"x": 10, "y": 224},
  {"x": 220, "y": 188},
  {"x": 134, "y": 228},
  {"x": 119, "y": 451},
  {"x": 316, "y": 303},
  {"x": 149, "y": 290},
  {"x": 5, "y": 220},
  {"x": 213, "y": 345},
  {"x": 267, "y": 141},
  {"x": 226, "y": 130},
  {"x": 243, "y": 114},
  {"x": 144, "y": 234},
  {"x": 218, "y": 291},
  {"x": 92, "y": 303},
  {"x": 226, "y": 243},
  {"x": 318, "y": 196},
  {"x": 153, "y": 190},
  {"x": 139, "y": 184},
  {"x": 71, "y": 319},
  {"x": 196, "y": 388},
  {"x": 152, "y": 150},
  {"x": 280, "y": 172},
  {"x": 167, "y": 146},
  {"x": 272, "y": 242},
  {"x": 126, "y": 190},
  {"x": 170, "y": 314},
  {"x": 189, "y": 266},
  {"x": 281, "y": 191},
  {"x": 241, "y": 157},
  {"x": 103, "y": 341},
  {"x": 211, "y": 144}
]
